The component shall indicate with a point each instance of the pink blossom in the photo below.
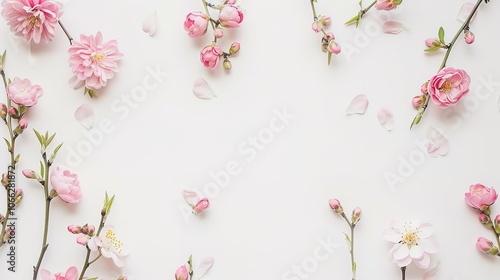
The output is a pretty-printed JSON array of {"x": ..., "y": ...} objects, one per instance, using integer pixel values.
[
  {"x": 432, "y": 42},
  {"x": 75, "y": 229},
  {"x": 218, "y": 33},
  {"x": 30, "y": 174},
  {"x": 182, "y": 273},
  {"x": 22, "y": 92},
  {"x": 93, "y": 61},
  {"x": 335, "y": 205},
  {"x": 417, "y": 101},
  {"x": 196, "y": 24},
  {"x": 230, "y": 16},
  {"x": 486, "y": 246},
  {"x": 210, "y": 55},
  {"x": 387, "y": 4},
  {"x": 333, "y": 47},
  {"x": 71, "y": 274},
  {"x": 201, "y": 205},
  {"x": 356, "y": 215},
  {"x": 66, "y": 185},
  {"x": 480, "y": 197},
  {"x": 34, "y": 20},
  {"x": 23, "y": 123},
  {"x": 448, "y": 86},
  {"x": 469, "y": 37},
  {"x": 108, "y": 244}
]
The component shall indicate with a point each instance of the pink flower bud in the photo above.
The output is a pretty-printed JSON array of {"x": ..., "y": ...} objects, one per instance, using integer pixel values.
[
  {"x": 23, "y": 123},
  {"x": 201, "y": 205},
  {"x": 485, "y": 220},
  {"x": 30, "y": 174},
  {"x": 335, "y": 205},
  {"x": 356, "y": 215},
  {"x": 333, "y": 47},
  {"x": 317, "y": 26},
  {"x": 469, "y": 37},
  {"x": 235, "y": 47},
  {"x": 432, "y": 42},
  {"x": 74, "y": 229},
  {"x": 82, "y": 239},
  {"x": 417, "y": 101},
  {"x": 486, "y": 246},
  {"x": 3, "y": 110},
  {"x": 325, "y": 20},
  {"x": 5, "y": 180},
  {"x": 218, "y": 32},
  {"x": 227, "y": 64},
  {"x": 497, "y": 224},
  {"x": 182, "y": 273},
  {"x": 18, "y": 196},
  {"x": 13, "y": 112},
  {"x": 425, "y": 88}
]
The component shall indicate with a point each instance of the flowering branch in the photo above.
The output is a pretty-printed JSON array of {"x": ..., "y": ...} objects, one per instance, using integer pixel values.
[
  {"x": 434, "y": 91},
  {"x": 379, "y": 5},
  {"x": 328, "y": 43}
]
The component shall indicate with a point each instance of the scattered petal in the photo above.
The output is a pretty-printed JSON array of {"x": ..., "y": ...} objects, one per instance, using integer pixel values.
[
  {"x": 393, "y": 27},
  {"x": 358, "y": 105},
  {"x": 438, "y": 144},
  {"x": 385, "y": 119},
  {"x": 150, "y": 23},
  {"x": 204, "y": 266},
  {"x": 75, "y": 83},
  {"x": 191, "y": 197},
  {"x": 202, "y": 90},
  {"x": 465, "y": 11},
  {"x": 85, "y": 115},
  {"x": 432, "y": 273}
]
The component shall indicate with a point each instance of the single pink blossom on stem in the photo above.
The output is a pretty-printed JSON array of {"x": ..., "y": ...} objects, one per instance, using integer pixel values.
[
  {"x": 30, "y": 174},
  {"x": 182, "y": 273},
  {"x": 71, "y": 274},
  {"x": 387, "y": 4},
  {"x": 201, "y": 205},
  {"x": 448, "y": 86},
  {"x": 486, "y": 246},
  {"x": 196, "y": 24},
  {"x": 469, "y": 37},
  {"x": 108, "y": 244},
  {"x": 34, "y": 20},
  {"x": 66, "y": 185},
  {"x": 480, "y": 197},
  {"x": 425, "y": 88},
  {"x": 22, "y": 92},
  {"x": 210, "y": 55},
  {"x": 93, "y": 61},
  {"x": 230, "y": 16}
]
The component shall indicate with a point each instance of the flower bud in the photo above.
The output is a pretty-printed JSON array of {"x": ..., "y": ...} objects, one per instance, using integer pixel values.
[
  {"x": 218, "y": 32},
  {"x": 13, "y": 112},
  {"x": 88, "y": 229},
  {"x": 324, "y": 47},
  {"x": 122, "y": 278},
  {"x": 3, "y": 110},
  {"x": 469, "y": 37},
  {"x": 417, "y": 101},
  {"x": 5, "y": 180},
  {"x": 23, "y": 123},
  {"x": 485, "y": 220},
  {"x": 30, "y": 174},
  {"x": 74, "y": 229},
  {"x": 18, "y": 196},
  {"x": 82, "y": 239},
  {"x": 317, "y": 26},
  {"x": 235, "y": 47},
  {"x": 182, "y": 273},
  {"x": 425, "y": 88},
  {"x": 433, "y": 42},
  {"x": 333, "y": 47},
  {"x": 335, "y": 205},
  {"x": 201, "y": 205},
  {"x": 497, "y": 224},
  {"x": 356, "y": 215},
  {"x": 325, "y": 20},
  {"x": 227, "y": 64},
  {"x": 486, "y": 246}
]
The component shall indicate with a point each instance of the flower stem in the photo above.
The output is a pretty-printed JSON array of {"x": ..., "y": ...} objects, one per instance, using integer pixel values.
[
  {"x": 361, "y": 13},
  {"x": 351, "y": 246},
  {"x": 48, "y": 199},
  {"x": 87, "y": 263},
  {"x": 314, "y": 10},
  {"x": 208, "y": 13},
  {"x": 66, "y": 32},
  {"x": 403, "y": 273}
]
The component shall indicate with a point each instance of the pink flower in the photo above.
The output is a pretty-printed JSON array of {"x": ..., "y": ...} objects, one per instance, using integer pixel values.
[
  {"x": 432, "y": 42},
  {"x": 109, "y": 245},
  {"x": 480, "y": 197},
  {"x": 23, "y": 123},
  {"x": 182, "y": 273},
  {"x": 196, "y": 24},
  {"x": 469, "y": 37},
  {"x": 66, "y": 185},
  {"x": 34, "y": 20},
  {"x": 411, "y": 243},
  {"x": 23, "y": 93},
  {"x": 201, "y": 205},
  {"x": 356, "y": 215},
  {"x": 448, "y": 86},
  {"x": 333, "y": 47},
  {"x": 335, "y": 205},
  {"x": 75, "y": 229},
  {"x": 210, "y": 55},
  {"x": 94, "y": 62},
  {"x": 417, "y": 101},
  {"x": 230, "y": 16},
  {"x": 387, "y": 4},
  {"x": 218, "y": 33},
  {"x": 486, "y": 246},
  {"x": 71, "y": 274}
]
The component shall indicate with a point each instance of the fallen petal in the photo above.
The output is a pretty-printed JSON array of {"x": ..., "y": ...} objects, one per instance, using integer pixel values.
[
  {"x": 191, "y": 197},
  {"x": 204, "y": 266},
  {"x": 75, "y": 83},
  {"x": 392, "y": 27},
  {"x": 358, "y": 105},
  {"x": 150, "y": 23},
  {"x": 465, "y": 11},
  {"x": 385, "y": 119},
  {"x": 432, "y": 273},
  {"x": 85, "y": 115},
  {"x": 202, "y": 90},
  {"x": 438, "y": 144}
]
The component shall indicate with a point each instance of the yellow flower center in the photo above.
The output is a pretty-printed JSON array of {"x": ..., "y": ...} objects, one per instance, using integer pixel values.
[
  {"x": 99, "y": 56},
  {"x": 33, "y": 21},
  {"x": 410, "y": 236},
  {"x": 446, "y": 87},
  {"x": 113, "y": 241}
]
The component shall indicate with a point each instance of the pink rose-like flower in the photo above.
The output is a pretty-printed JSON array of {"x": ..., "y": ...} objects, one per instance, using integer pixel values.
[
  {"x": 448, "y": 86},
  {"x": 34, "y": 20},
  {"x": 210, "y": 55},
  {"x": 22, "y": 92},
  {"x": 412, "y": 243},
  {"x": 182, "y": 273},
  {"x": 387, "y": 4},
  {"x": 66, "y": 185},
  {"x": 480, "y": 197},
  {"x": 93, "y": 61},
  {"x": 71, "y": 274},
  {"x": 196, "y": 24},
  {"x": 201, "y": 205},
  {"x": 230, "y": 16}
]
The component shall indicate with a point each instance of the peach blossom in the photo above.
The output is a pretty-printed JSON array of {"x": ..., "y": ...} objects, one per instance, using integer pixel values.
[
  {"x": 66, "y": 185},
  {"x": 230, "y": 16},
  {"x": 182, "y": 273},
  {"x": 71, "y": 274},
  {"x": 196, "y": 24},
  {"x": 387, "y": 4},
  {"x": 210, "y": 55},
  {"x": 201, "y": 205},
  {"x": 448, "y": 86},
  {"x": 22, "y": 92},
  {"x": 480, "y": 197}
]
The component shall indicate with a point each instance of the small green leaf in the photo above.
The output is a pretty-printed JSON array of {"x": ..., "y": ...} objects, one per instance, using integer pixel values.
[
  {"x": 348, "y": 240},
  {"x": 54, "y": 154},
  {"x": 329, "y": 57},
  {"x": 49, "y": 139},
  {"x": 16, "y": 160},
  {"x": 7, "y": 142},
  {"x": 353, "y": 20},
  {"x": 42, "y": 170},
  {"x": 417, "y": 119},
  {"x": 40, "y": 138},
  {"x": 433, "y": 48},
  {"x": 441, "y": 35},
  {"x": 2, "y": 58}
]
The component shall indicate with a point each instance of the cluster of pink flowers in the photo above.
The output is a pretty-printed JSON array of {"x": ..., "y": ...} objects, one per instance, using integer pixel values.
[
  {"x": 328, "y": 43},
  {"x": 196, "y": 24},
  {"x": 481, "y": 198}
]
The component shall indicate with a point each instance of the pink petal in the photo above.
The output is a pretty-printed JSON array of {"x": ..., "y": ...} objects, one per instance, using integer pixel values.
[
  {"x": 85, "y": 115},
  {"x": 75, "y": 83},
  {"x": 401, "y": 252},
  {"x": 392, "y": 27},
  {"x": 358, "y": 105},
  {"x": 191, "y": 197},
  {"x": 385, "y": 119},
  {"x": 464, "y": 12},
  {"x": 202, "y": 90},
  {"x": 204, "y": 266},
  {"x": 432, "y": 274},
  {"x": 438, "y": 144},
  {"x": 424, "y": 262},
  {"x": 150, "y": 23}
]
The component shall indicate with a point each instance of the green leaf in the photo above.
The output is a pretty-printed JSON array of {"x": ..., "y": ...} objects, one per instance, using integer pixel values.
[
  {"x": 2, "y": 58},
  {"x": 7, "y": 142},
  {"x": 54, "y": 154},
  {"x": 348, "y": 240},
  {"x": 361, "y": 4},
  {"x": 329, "y": 57},
  {"x": 441, "y": 35},
  {"x": 417, "y": 119},
  {"x": 42, "y": 170},
  {"x": 16, "y": 160},
  {"x": 40, "y": 138},
  {"x": 353, "y": 20},
  {"x": 433, "y": 48},
  {"x": 49, "y": 139}
]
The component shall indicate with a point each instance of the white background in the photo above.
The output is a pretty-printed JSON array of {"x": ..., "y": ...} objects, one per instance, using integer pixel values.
[{"x": 274, "y": 212}]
